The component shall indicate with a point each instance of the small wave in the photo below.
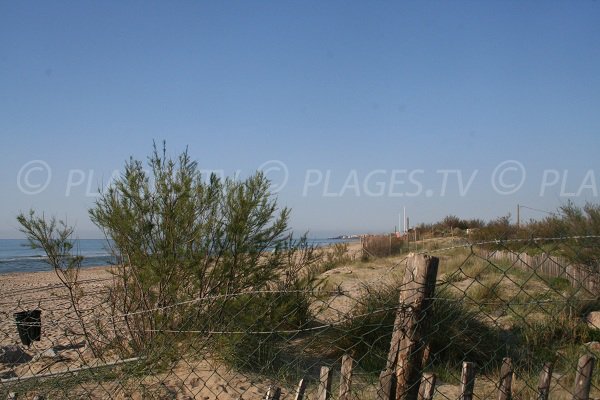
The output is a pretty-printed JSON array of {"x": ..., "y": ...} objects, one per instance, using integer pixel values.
[
  {"x": 23, "y": 258},
  {"x": 35, "y": 265},
  {"x": 42, "y": 258},
  {"x": 95, "y": 254}
]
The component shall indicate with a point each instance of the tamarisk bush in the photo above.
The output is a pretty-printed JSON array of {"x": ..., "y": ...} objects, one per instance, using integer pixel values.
[{"x": 186, "y": 245}]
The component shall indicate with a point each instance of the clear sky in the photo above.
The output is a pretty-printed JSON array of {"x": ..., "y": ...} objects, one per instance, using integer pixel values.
[{"x": 366, "y": 107}]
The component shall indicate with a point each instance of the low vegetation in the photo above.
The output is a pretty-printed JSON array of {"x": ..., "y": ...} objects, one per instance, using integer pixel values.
[{"x": 189, "y": 251}]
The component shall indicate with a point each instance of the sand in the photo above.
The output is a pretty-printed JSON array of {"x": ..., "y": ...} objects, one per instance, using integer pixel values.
[{"x": 62, "y": 346}]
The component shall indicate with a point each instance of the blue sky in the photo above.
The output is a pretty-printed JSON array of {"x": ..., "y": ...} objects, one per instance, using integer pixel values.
[{"x": 349, "y": 96}]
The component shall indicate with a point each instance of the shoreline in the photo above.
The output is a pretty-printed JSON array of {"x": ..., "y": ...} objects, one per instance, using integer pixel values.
[
  {"x": 91, "y": 269},
  {"x": 352, "y": 243},
  {"x": 16, "y": 258}
]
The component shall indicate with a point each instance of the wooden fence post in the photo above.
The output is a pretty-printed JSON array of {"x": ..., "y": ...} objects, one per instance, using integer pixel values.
[
  {"x": 426, "y": 355},
  {"x": 545, "y": 378},
  {"x": 387, "y": 385},
  {"x": 583, "y": 377},
  {"x": 467, "y": 381},
  {"x": 427, "y": 387},
  {"x": 300, "y": 390},
  {"x": 410, "y": 326},
  {"x": 346, "y": 377},
  {"x": 274, "y": 393},
  {"x": 506, "y": 372},
  {"x": 324, "y": 392}
]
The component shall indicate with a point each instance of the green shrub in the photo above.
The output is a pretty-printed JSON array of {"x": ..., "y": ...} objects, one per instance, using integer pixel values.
[
  {"x": 331, "y": 257},
  {"x": 256, "y": 330},
  {"x": 178, "y": 237},
  {"x": 384, "y": 245},
  {"x": 558, "y": 284},
  {"x": 182, "y": 244},
  {"x": 455, "y": 334}
]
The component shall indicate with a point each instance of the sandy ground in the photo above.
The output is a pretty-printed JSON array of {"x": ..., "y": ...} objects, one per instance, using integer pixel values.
[
  {"x": 61, "y": 341},
  {"x": 62, "y": 346},
  {"x": 44, "y": 291}
]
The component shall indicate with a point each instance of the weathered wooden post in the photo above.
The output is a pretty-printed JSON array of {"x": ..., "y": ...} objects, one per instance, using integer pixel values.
[
  {"x": 545, "y": 378},
  {"x": 300, "y": 390},
  {"x": 506, "y": 372},
  {"x": 387, "y": 385},
  {"x": 583, "y": 377},
  {"x": 362, "y": 248},
  {"x": 274, "y": 393},
  {"x": 408, "y": 338},
  {"x": 324, "y": 391},
  {"x": 346, "y": 377},
  {"x": 427, "y": 387},
  {"x": 426, "y": 355},
  {"x": 467, "y": 381}
]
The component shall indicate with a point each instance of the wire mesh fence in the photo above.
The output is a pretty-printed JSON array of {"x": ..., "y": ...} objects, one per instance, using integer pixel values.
[{"x": 500, "y": 319}]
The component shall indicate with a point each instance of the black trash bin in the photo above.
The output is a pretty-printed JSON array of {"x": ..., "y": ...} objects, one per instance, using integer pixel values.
[{"x": 29, "y": 325}]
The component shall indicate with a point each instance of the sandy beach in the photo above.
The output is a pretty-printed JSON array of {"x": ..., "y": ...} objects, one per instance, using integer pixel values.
[
  {"x": 44, "y": 291},
  {"x": 63, "y": 347},
  {"x": 61, "y": 339}
]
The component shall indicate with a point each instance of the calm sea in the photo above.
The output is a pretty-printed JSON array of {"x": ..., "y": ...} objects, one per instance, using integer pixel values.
[{"x": 17, "y": 256}]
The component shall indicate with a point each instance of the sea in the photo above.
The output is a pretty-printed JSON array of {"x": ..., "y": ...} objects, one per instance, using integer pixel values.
[{"x": 17, "y": 256}]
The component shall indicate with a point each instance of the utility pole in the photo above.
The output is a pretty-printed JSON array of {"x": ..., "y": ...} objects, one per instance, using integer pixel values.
[{"x": 518, "y": 216}]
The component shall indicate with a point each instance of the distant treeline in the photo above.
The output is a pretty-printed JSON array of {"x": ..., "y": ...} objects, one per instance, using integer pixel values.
[
  {"x": 568, "y": 220},
  {"x": 572, "y": 223}
]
